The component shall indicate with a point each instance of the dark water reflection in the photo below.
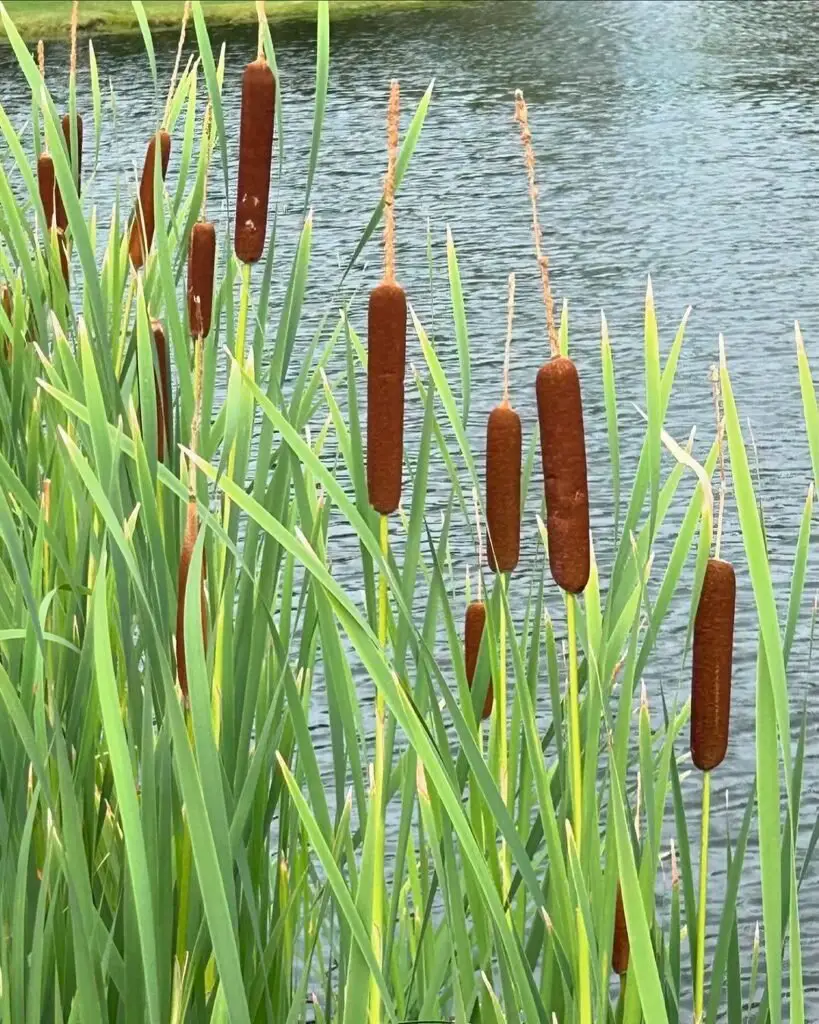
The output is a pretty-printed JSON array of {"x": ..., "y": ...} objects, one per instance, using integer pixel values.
[{"x": 678, "y": 139}]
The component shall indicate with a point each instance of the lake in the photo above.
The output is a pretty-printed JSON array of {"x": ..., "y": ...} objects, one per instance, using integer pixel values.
[{"x": 676, "y": 139}]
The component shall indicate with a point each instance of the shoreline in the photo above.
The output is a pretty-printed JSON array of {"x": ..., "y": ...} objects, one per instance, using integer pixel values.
[{"x": 37, "y": 20}]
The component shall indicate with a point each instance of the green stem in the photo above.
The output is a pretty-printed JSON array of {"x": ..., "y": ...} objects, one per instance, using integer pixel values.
[
  {"x": 699, "y": 982},
  {"x": 584, "y": 982},
  {"x": 503, "y": 750}
]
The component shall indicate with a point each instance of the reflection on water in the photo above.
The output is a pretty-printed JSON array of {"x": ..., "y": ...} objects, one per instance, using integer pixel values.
[{"x": 672, "y": 138}]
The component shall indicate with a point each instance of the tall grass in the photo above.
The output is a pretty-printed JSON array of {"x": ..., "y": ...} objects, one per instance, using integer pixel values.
[{"x": 171, "y": 847}]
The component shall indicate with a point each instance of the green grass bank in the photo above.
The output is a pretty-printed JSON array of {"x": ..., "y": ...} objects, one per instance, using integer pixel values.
[{"x": 50, "y": 19}]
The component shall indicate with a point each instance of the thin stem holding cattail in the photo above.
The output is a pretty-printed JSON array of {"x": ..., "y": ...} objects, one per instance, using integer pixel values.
[
  {"x": 717, "y": 392},
  {"x": 186, "y": 13},
  {"x": 206, "y": 129},
  {"x": 510, "y": 315},
  {"x": 393, "y": 111},
  {"x": 522, "y": 118}
]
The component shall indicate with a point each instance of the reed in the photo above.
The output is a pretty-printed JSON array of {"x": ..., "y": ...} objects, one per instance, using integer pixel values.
[
  {"x": 386, "y": 352},
  {"x": 144, "y": 218},
  {"x": 201, "y": 269},
  {"x": 255, "y": 157}
]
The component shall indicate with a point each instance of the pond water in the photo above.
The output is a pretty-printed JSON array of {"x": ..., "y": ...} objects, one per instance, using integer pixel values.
[{"x": 676, "y": 139}]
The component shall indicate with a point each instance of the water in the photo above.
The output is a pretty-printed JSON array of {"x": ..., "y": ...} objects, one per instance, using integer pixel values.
[{"x": 676, "y": 139}]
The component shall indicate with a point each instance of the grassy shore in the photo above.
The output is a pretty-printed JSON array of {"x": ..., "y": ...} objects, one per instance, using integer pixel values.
[{"x": 38, "y": 19}]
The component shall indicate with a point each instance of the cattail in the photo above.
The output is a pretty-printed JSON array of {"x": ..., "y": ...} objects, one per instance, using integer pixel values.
[
  {"x": 473, "y": 631},
  {"x": 620, "y": 946},
  {"x": 560, "y": 412},
  {"x": 142, "y": 227},
  {"x": 386, "y": 345},
  {"x": 6, "y": 300},
  {"x": 46, "y": 184},
  {"x": 503, "y": 471},
  {"x": 188, "y": 543},
  {"x": 563, "y": 451},
  {"x": 201, "y": 262},
  {"x": 163, "y": 393},
  {"x": 59, "y": 206},
  {"x": 255, "y": 155},
  {"x": 711, "y": 665}
]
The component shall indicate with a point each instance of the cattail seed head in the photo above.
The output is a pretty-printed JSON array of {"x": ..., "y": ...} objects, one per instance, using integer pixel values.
[
  {"x": 62, "y": 246},
  {"x": 201, "y": 262},
  {"x": 473, "y": 631},
  {"x": 711, "y": 665},
  {"x": 188, "y": 543},
  {"x": 62, "y": 219},
  {"x": 163, "y": 393},
  {"x": 46, "y": 185},
  {"x": 503, "y": 473},
  {"x": 144, "y": 221},
  {"x": 7, "y": 300},
  {"x": 620, "y": 946},
  {"x": 255, "y": 155},
  {"x": 563, "y": 451},
  {"x": 386, "y": 344}
]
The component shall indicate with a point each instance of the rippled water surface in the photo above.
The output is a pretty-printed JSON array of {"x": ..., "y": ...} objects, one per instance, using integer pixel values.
[{"x": 676, "y": 139}]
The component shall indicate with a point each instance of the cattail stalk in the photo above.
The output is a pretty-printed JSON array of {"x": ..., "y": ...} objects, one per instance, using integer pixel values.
[
  {"x": 186, "y": 13},
  {"x": 503, "y": 470},
  {"x": 560, "y": 415},
  {"x": 144, "y": 219},
  {"x": 386, "y": 344}
]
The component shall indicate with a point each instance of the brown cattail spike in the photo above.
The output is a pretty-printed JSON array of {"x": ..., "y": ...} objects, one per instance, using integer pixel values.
[
  {"x": 503, "y": 473},
  {"x": 188, "y": 543},
  {"x": 620, "y": 946},
  {"x": 59, "y": 207},
  {"x": 46, "y": 184},
  {"x": 711, "y": 665},
  {"x": 386, "y": 343},
  {"x": 255, "y": 155},
  {"x": 144, "y": 220},
  {"x": 473, "y": 631},
  {"x": 201, "y": 262},
  {"x": 563, "y": 451},
  {"x": 163, "y": 390}
]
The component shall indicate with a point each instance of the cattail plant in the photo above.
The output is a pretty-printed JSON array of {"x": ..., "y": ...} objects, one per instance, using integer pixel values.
[
  {"x": 386, "y": 351},
  {"x": 144, "y": 218},
  {"x": 201, "y": 262},
  {"x": 163, "y": 390},
  {"x": 473, "y": 633},
  {"x": 563, "y": 453},
  {"x": 503, "y": 470},
  {"x": 560, "y": 416},
  {"x": 620, "y": 944},
  {"x": 255, "y": 156},
  {"x": 711, "y": 662}
]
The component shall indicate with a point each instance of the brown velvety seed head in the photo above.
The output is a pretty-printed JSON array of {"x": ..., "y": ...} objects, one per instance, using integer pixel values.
[
  {"x": 255, "y": 156},
  {"x": 620, "y": 946},
  {"x": 473, "y": 631},
  {"x": 188, "y": 543},
  {"x": 711, "y": 665},
  {"x": 386, "y": 348},
  {"x": 563, "y": 450},
  {"x": 142, "y": 226},
  {"x": 201, "y": 263},
  {"x": 503, "y": 471},
  {"x": 7, "y": 300},
  {"x": 46, "y": 184},
  {"x": 163, "y": 424}
]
